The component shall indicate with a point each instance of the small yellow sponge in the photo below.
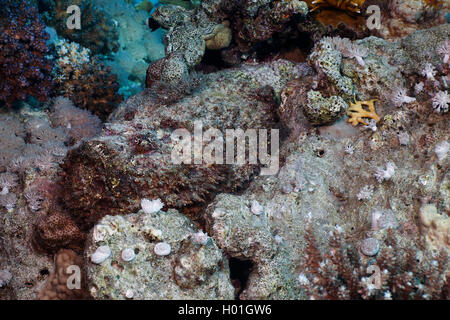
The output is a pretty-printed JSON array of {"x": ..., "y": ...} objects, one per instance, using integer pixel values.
[{"x": 357, "y": 112}]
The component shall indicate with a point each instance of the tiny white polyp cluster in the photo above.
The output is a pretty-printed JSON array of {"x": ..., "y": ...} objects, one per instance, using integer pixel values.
[{"x": 151, "y": 206}]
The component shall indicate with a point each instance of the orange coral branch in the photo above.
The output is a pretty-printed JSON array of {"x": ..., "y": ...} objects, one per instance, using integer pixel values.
[
  {"x": 356, "y": 112},
  {"x": 345, "y": 5}
]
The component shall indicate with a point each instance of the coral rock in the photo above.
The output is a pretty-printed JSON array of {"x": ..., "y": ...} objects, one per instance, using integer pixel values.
[
  {"x": 320, "y": 110},
  {"x": 57, "y": 230},
  {"x": 436, "y": 227},
  {"x": 107, "y": 176},
  {"x": 190, "y": 271},
  {"x": 58, "y": 286}
]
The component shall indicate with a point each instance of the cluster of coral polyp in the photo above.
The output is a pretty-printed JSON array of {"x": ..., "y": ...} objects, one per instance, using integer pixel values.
[
  {"x": 85, "y": 80},
  {"x": 24, "y": 68},
  {"x": 91, "y": 87}
]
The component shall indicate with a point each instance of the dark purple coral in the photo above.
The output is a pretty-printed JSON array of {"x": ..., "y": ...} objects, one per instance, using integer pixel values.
[{"x": 25, "y": 70}]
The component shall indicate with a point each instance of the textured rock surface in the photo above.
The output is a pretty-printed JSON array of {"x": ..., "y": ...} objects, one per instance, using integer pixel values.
[
  {"x": 189, "y": 271},
  {"x": 322, "y": 110},
  {"x": 436, "y": 227},
  {"x": 317, "y": 186},
  {"x": 58, "y": 285},
  {"x": 31, "y": 148},
  {"x": 346, "y": 197},
  {"x": 132, "y": 158},
  {"x": 16, "y": 228}
]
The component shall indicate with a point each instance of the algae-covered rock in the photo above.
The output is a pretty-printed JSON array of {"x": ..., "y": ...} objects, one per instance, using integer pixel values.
[
  {"x": 317, "y": 190},
  {"x": 320, "y": 110},
  {"x": 188, "y": 271},
  {"x": 328, "y": 60},
  {"x": 132, "y": 159}
]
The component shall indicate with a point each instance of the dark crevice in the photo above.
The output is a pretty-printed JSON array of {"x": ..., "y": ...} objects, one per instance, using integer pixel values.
[
  {"x": 239, "y": 273},
  {"x": 295, "y": 47},
  {"x": 212, "y": 61},
  {"x": 291, "y": 44}
]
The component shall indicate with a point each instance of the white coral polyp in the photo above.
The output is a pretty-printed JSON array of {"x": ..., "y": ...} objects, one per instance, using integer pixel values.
[
  {"x": 128, "y": 254},
  {"x": 441, "y": 150},
  {"x": 365, "y": 193},
  {"x": 349, "y": 49},
  {"x": 440, "y": 101},
  {"x": 200, "y": 238},
  {"x": 385, "y": 174},
  {"x": 101, "y": 254},
  {"x": 428, "y": 71},
  {"x": 162, "y": 249},
  {"x": 444, "y": 50},
  {"x": 151, "y": 206},
  {"x": 256, "y": 208},
  {"x": 400, "y": 97}
]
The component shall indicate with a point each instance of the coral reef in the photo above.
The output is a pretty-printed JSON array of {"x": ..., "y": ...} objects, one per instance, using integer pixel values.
[
  {"x": 190, "y": 33},
  {"x": 135, "y": 147},
  {"x": 341, "y": 274},
  {"x": 343, "y": 193},
  {"x": 191, "y": 38},
  {"x": 315, "y": 188},
  {"x": 186, "y": 271},
  {"x": 98, "y": 30},
  {"x": 23, "y": 54},
  {"x": 327, "y": 59},
  {"x": 401, "y": 17},
  {"x": 85, "y": 80},
  {"x": 32, "y": 146}
]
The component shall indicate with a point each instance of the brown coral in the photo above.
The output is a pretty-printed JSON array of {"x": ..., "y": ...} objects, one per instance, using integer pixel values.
[
  {"x": 57, "y": 286},
  {"x": 269, "y": 20},
  {"x": 57, "y": 230},
  {"x": 25, "y": 69},
  {"x": 343, "y": 274},
  {"x": 90, "y": 86},
  {"x": 353, "y": 6}
]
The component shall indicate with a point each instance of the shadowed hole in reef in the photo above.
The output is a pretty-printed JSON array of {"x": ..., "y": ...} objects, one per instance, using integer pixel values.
[
  {"x": 290, "y": 44},
  {"x": 293, "y": 46},
  {"x": 239, "y": 272},
  {"x": 211, "y": 62},
  {"x": 44, "y": 272}
]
